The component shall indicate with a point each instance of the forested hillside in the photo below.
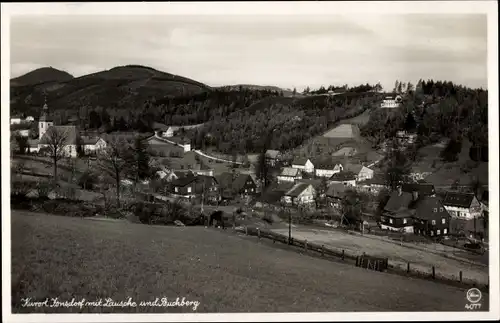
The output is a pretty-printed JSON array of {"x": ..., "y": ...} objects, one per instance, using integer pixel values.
[{"x": 293, "y": 121}]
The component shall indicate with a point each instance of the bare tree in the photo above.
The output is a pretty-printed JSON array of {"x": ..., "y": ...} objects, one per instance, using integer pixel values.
[
  {"x": 115, "y": 160},
  {"x": 55, "y": 141}
]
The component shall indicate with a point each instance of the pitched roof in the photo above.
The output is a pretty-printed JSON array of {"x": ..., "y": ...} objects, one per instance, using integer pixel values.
[
  {"x": 316, "y": 183},
  {"x": 297, "y": 189},
  {"x": 225, "y": 180},
  {"x": 398, "y": 203},
  {"x": 70, "y": 133},
  {"x": 183, "y": 181},
  {"x": 421, "y": 188},
  {"x": 424, "y": 208},
  {"x": 343, "y": 176},
  {"x": 354, "y": 168},
  {"x": 336, "y": 190},
  {"x": 240, "y": 180},
  {"x": 300, "y": 161},
  {"x": 289, "y": 171},
  {"x": 378, "y": 179},
  {"x": 273, "y": 154},
  {"x": 87, "y": 140},
  {"x": 325, "y": 163},
  {"x": 458, "y": 199}
]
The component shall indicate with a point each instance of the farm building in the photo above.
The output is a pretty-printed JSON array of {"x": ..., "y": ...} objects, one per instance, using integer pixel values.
[{"x": 289, "y": 174}]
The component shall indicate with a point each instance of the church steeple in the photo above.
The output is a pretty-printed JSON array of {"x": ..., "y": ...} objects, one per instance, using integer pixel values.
[{"x": 45, "y": 120}]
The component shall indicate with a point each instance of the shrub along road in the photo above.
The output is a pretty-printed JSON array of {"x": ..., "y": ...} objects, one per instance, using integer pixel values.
[{"x": 70, "y": 257}]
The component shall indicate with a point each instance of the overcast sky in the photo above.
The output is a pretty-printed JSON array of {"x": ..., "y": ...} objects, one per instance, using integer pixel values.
[{"x": 287, "y": 51}]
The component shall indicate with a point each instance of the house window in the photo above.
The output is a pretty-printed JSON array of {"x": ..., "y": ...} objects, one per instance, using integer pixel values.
[
  {"x": 435, "y": 210},
  {"x": 438, "y": 232},
  {"x": 445, "y": 231},
  {"x": 404, "y": 221},
  {"x": 176, "y": 190},
  {"x": 440, "y": 209},
  {"x": 433, "y": 222},
  {"x": 189, "y": 189},
  {"x": 246, "y": 190},
  {"x": 443, "y": 220},
  {"x": 390, "y": 221}
]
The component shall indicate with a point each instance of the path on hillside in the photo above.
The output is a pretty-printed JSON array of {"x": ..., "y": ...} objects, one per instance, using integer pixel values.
[{"x": 198, "y": 152}]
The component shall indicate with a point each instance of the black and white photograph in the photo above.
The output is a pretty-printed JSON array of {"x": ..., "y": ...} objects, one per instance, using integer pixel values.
[{"x": 252, "y": 160}]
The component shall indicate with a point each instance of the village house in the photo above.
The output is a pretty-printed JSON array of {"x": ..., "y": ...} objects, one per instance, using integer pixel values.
[
  {"x": 405, "y": 138},
  {"x": 462, "y": 205},
  {"x": 289, "y": 174},
  {"x": 301, "y": 194},
  {"x": 236, "y": 184},
  {"x": 345, "y": 178},
  {"x": 415, "y": 210},
  {"x": 335, "y": 194},
  {"x": 431, "y": 218},
  {"x": 362, "y": 172},
  {"x": 16, "y": 119},
  {"x": 271, "y": 197},
  {"x": 326, "y": 168},
  {"x": 272, "y": 157},
  {"x": 304, "y": 164},
  {"x": 192, "y": 185},
  {"x": 391, "y": 101},
  {"x": 33, "y": 146},
  {"x": 92, "y": 145},
  {"x": 372, "y": 185}
]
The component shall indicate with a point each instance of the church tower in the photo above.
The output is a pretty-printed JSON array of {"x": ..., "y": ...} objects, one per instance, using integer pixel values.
[{"x": 45, "y": 120}]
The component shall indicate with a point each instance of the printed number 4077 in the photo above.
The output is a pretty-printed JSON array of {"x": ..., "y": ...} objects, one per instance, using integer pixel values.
[{"x": 472, "y": 306}]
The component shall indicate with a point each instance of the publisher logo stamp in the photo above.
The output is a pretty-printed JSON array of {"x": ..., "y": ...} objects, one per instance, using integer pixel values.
[{"x": 474, "y": 297}]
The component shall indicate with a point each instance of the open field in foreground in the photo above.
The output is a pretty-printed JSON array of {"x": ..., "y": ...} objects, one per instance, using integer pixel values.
[
  {"x": 398, "y": 255},
  {"x": 70, "y": 257}
]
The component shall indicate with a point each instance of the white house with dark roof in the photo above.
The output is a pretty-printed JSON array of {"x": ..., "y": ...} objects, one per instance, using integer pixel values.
[
  {"x": 289, "y": 174},
  {"x": 326, "y": 168},
  {"x": 345, "y": 177},
  {"x": 462, "y": 205},
  {"x": 391, "y": 101},
  {"x": 299, "y": 194},
  {"x": 92, "y": 145},
  {"x": 304, "y": 164},
  {"x": 362, "y": 172}
]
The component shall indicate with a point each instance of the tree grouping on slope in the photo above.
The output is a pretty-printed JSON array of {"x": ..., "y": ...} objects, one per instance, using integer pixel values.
[
  {"x": 293, "y": 122},
  {"x": 439, "y": 110}
]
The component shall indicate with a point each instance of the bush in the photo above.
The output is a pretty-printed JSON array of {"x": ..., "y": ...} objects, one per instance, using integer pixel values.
[{"x": 87, "y": 180}]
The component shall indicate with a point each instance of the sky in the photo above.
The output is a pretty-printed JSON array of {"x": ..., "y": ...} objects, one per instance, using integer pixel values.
[{"x": 286, "y": 51}]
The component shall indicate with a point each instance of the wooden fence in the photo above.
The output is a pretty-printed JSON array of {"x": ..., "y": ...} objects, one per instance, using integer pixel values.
[{"x": 366, "y": 261}]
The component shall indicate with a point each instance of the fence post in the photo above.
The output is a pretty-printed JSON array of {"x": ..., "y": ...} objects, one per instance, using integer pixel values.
[
  {"x": 343, "y": 254},
  {"x": 357, "y": 261},
  {"x": 433, "y": 272},
  {"x": 460, "y": 275},
  {"x": 408, "y": 268},
  {"x": 258, "y": 233},
  {"x": 322, "y": 250},
  {"x": 274, "y": 240},
  {"x": 305, "y": 245},
  {"x": 246, "y": 230}
]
